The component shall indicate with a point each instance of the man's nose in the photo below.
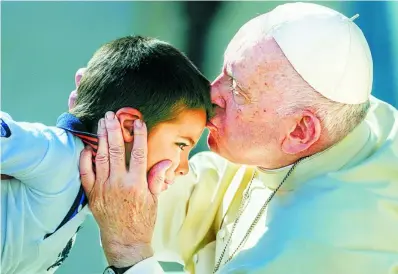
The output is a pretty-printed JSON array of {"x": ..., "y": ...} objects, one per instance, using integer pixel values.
[{"x": 216, "y": 97}]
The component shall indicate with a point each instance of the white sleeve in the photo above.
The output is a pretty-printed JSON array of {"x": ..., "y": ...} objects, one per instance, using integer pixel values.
[
  {"x": 147, "y": 266},
  {"x": 42, "y": 157},
  {"x": 23, "y": 147}
]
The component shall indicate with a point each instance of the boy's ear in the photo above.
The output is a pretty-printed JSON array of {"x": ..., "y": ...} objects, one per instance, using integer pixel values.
[{"x": 126, "y": 117}]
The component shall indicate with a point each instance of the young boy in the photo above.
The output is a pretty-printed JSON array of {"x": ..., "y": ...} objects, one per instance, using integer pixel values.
[{"x": 42, "y": 201}]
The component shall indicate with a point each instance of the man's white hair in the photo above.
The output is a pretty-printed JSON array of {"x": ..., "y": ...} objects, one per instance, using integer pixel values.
[{"x": 336, "y": 118}]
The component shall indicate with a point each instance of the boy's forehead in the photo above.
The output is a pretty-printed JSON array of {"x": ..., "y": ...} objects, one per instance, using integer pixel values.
[
  {"x": 191, "y": 115},
  {"x": 186, "y": 120},
  {"x": 187, "y": 125}
]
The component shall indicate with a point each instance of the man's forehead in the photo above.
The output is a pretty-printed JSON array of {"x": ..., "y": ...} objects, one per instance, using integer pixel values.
[
  {"x": 245, "y": 54},
  {"x": 238, "y": 50},
  {"x": 247, "y": 42}
]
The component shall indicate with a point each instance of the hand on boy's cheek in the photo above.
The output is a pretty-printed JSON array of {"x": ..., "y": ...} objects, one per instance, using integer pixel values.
[{"x": 157, "y": 181}]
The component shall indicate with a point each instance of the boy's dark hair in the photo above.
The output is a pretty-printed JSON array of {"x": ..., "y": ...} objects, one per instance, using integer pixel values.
[{"x": 143, "y": 73}]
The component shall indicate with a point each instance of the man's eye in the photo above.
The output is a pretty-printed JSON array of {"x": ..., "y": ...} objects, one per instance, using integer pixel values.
[
  {"x": 239, "y": 98},
  {"x": 181, "y": 145},
  {"x": 234, "y": 86}
]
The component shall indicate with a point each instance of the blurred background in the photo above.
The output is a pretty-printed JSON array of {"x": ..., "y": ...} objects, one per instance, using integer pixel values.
[{"x": 44, "y": 43}]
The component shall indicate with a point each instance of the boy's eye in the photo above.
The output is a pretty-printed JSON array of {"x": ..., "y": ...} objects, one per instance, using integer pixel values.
[{"x": 182, "y": 145}]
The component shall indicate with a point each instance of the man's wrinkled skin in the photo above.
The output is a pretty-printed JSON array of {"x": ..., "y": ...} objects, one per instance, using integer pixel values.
[
  {"x": 125, "y": 234},
  {"x": 255, "y": 83}
]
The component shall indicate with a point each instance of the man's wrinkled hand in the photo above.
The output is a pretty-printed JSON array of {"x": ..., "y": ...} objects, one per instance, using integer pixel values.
[{"x": 119, "y": 197}]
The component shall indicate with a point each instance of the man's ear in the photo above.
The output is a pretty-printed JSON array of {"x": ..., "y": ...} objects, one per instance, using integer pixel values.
[
  {"x": 126, "y": 117},
  {"x": 305, "y": 132}
]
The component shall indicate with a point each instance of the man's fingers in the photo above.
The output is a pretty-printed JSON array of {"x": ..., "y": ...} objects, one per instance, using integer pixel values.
[
  {"x": 78, "y": 76},
  {"x": 87, "y": 175},
  {"x": 157, "y": 177},
  {"x": 73, "y": 94},
  {"x": 138, "y": 160},
  {"x": 102, "y": 157},
  {"x": 116, "y": 145}
]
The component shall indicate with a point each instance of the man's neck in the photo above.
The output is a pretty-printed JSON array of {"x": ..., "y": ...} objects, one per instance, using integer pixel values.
[
  {"x": 275, "y": 169},
  {"x": 287, "y": 160},
  {"x": 333, "y": 157}
]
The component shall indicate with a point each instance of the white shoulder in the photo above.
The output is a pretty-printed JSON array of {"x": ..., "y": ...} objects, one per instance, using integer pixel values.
[{"x": 206, "y": 161}]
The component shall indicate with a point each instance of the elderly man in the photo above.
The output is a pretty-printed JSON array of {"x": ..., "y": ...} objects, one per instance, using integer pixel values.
[{"x": 308, "y": 182}]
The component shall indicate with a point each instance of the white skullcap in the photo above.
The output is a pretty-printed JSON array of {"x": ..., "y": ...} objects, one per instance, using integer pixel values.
[{"x": 326, "y": 48}]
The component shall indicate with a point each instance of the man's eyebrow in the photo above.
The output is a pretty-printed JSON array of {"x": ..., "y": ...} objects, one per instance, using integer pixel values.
[
  {"x": 227, "y": 71},
  {"x": 190, "y": 141},
  {"x": 230, "y": 74}
]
